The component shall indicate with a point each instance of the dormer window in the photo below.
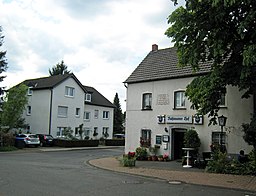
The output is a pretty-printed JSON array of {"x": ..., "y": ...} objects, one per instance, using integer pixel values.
[
  {"x": 88, "y": 97},
  {"x": 29, "y": 90}
]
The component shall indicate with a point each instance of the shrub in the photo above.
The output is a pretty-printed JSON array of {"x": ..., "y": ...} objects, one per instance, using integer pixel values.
[
  {"x": 129, "y": 159},
  {"x": 141, "y": 153}
]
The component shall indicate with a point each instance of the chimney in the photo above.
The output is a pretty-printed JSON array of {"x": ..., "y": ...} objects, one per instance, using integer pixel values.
[{"x": 154, "y": 47}]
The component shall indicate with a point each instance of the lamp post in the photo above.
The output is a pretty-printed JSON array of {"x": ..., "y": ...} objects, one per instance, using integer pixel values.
[{"x": 222, "y": 122}]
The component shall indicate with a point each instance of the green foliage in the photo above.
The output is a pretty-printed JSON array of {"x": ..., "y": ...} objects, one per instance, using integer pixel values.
[
  {"x": 128, "y": 161},
  {"x": 221, "y": 164},
  {"x": 68, "y": 133},
  {"x": 141, "y": 153},
  {"x": 118, "y": 116},
  {"x": 14, "y": 106},
  {"x": 59, "y": 69},
  {"x": 221, "y": 33},
  {"x": 3, "y": 63},
  {"x": 6, "y": 139},
  {"x": 250, "y": 132},
  {"x": 7, "y": 148},
  {"x": 192, "y": 140}
]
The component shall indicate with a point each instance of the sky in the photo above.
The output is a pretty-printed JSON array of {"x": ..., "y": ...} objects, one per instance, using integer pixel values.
[{"x": 100, "y": 41}]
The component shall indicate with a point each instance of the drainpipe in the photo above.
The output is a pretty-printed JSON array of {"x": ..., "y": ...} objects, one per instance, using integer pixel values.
[{"x": 50, "y": 116}]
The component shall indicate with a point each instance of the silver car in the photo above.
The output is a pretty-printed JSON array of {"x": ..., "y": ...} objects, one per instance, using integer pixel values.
[{"x": 29, "y": 139}]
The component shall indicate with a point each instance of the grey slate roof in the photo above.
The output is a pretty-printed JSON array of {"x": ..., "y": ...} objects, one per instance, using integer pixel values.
[
  {"x": 97, "y": 98},
  {"x": 52, "y": 81},
  {"x": 162, "y": 64},
  {"x": 49, "y": 82}
]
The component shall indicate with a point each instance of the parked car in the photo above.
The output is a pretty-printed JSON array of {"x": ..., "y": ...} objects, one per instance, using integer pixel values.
[
  {"x": 45, "y": 139},
  {"x": 28, "y": 139}
]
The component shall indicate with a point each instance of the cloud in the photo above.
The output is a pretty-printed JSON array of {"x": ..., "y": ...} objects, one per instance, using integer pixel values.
[{"x": 101, "y": 41}]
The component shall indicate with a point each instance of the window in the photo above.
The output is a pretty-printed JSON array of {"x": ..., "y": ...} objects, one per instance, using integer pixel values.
[
  {"x": 95, "y": 131},
  {"x": 216, "y": 138},
  {"x": 105, "y": 133},
  {"x": 29, "y": 90},
  {"x": 76, "y": 131},
  {"x": 145, "y": 139},
  {"x": 87, "y": 115},
  {"x": 87, "y": 131},
  {"x": 88, "y": 97},
  {"x": 77, "y": 112},
  {"x": 96, "y": 113},
  {"x": 105, "y": 114},
  {"x": 69, "y": 91},
  {"x": 179, "y": 99},
  {"x": 28, "y": 110},
  {"x": 147, "y": 101},
  {"x": 60, "y": 131},
  {"x": 223, "y": 99},
  {"x": 62, "y": 111}
]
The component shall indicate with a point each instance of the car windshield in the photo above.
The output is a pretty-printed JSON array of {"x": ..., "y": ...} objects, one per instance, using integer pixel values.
[
  {"x": 33, "y": 136},
  {"x": 21, "y": 135}
]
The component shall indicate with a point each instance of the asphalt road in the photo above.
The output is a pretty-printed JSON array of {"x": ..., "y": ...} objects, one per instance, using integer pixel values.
[{"x": 67, "y": 173}]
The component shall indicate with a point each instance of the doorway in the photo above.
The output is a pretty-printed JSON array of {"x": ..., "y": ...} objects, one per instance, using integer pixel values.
[{"x": 178, "y": 138}]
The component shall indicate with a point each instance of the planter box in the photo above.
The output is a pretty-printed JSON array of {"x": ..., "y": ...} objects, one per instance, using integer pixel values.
[
  {"x": 76, "y": 143},
  {"x": 114, "y": 142}
]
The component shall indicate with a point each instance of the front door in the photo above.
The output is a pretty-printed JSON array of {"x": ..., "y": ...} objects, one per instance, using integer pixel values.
[{"x": 178, "y": 138}]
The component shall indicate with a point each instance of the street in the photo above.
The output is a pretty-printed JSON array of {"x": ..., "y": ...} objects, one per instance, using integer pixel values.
[{"x": 67, "y": 173}]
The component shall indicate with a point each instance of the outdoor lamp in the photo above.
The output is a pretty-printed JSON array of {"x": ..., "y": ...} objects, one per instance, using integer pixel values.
[{"x": 222, "y": 122}]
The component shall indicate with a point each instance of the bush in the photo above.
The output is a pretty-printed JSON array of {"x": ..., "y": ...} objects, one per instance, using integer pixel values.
[
  {"x": 6, "y": 139},
  {"x": 192, "y": 140},
  {"x": 7, "y": 148},
  {"x": 76, "y": 143},
  {"x": 129, "y": 159},
  {"x": 141, "y": 153},
  {"x": 114, "y": 142}
]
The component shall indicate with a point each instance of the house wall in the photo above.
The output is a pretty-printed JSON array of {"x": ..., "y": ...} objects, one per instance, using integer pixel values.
[
  {"x": 237, "y": 110},
  {"x": 40, "y": 107},
  {"x": 60, "y": 99},
  {"x": 99, "y": 122}
]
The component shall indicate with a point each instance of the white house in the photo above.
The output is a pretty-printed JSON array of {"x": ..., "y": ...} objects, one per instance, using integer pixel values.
[
  {"x": 61, "y": 101},
  {"x": 158, "y": 113}
]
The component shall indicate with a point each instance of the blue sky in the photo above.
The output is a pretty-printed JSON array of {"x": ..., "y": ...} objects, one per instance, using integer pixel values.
[{"x": 101, "y": 41}]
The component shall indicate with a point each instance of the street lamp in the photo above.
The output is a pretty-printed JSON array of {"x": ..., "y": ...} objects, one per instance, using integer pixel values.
[{"x": 222, "y": 122}]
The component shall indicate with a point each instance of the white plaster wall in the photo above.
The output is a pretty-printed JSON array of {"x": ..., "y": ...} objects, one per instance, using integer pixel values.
[
  {"x": 59, "y": 99},
  {"x": 99, "y": 122},
  {"x": 40, "y": 107},
  {"x": 238, "y": 111}
]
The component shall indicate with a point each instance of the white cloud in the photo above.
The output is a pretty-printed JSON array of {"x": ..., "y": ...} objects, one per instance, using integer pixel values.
[{"x": 101, "y": 41}]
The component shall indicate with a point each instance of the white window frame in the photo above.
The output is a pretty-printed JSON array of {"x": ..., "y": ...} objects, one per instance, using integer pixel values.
[
  {"x": 147, "y": 101},
  {"x": 87, "y": 115},
  {"x": 63, "y": 111},
  {"x": 69, "y": 91},
  {"x": 77, "y": 112},
  {"x": 179, "y": 99},
  {"x": 60, "y": 131},
  {"x": 88, "y": 97},
  {"x": 217, "y": 136},
  {"x": 105, "y": 115},
  {"x": 30, "y": 91},
  {"x": 96, "y": 114},
  {"x": 87, "y": 131},
  {"x": 29, "y": 108}
]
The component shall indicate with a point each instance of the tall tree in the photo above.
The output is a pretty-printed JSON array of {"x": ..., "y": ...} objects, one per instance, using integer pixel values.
[
  {"x": 222, "y": 32},
  {"x": 13, "y": 107},
  {"x": 3, "y": 64},
  {"x": 59, "y": 69},
  {"x": 118, "y": 116}
]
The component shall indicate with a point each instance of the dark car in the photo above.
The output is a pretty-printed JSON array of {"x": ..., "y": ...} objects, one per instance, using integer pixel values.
[{"x": 45, "y": 139}]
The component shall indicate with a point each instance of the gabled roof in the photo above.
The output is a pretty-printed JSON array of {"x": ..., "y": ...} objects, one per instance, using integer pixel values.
[
  {"x": 97, "y": 98},
  {"x": 49, "y": 82},
  {"x": 162, "y": 64}
]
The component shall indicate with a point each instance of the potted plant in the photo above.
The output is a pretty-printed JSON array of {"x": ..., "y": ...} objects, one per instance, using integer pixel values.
[{"x": 160, "y": 157}]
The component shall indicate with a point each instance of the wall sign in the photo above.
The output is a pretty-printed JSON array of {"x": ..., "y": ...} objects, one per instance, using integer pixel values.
[
  {"x": 166, "y": 138},
  {"x": 198, "y": 119},
  {"x": 179, "y": 119}
]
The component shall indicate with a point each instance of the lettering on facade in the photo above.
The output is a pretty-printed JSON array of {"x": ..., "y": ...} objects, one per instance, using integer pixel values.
[
  {"x": 163, "y": 99},
  {"x": 179, "y": 119}
]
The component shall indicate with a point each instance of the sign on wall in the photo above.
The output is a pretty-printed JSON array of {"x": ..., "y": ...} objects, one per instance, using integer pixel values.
[
  {"x": 179, "y": 119},
  {"x": 198, "y": 119},
  {"x": 158, "y": 139}
]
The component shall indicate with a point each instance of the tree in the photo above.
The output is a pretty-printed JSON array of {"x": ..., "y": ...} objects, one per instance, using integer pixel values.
[
  {"x": 13, "y": 107},
  {"x": 222, "y": 32},
  {"x": 59, "y": 69},
  {"x": 118, "y": 116},
  {"x": 3, "y": 64}
]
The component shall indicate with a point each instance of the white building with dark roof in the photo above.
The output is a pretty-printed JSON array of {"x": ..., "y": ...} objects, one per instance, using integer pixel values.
[
  {"x": 61, "y": 101},
  {"x": 158, "y": 113}
]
